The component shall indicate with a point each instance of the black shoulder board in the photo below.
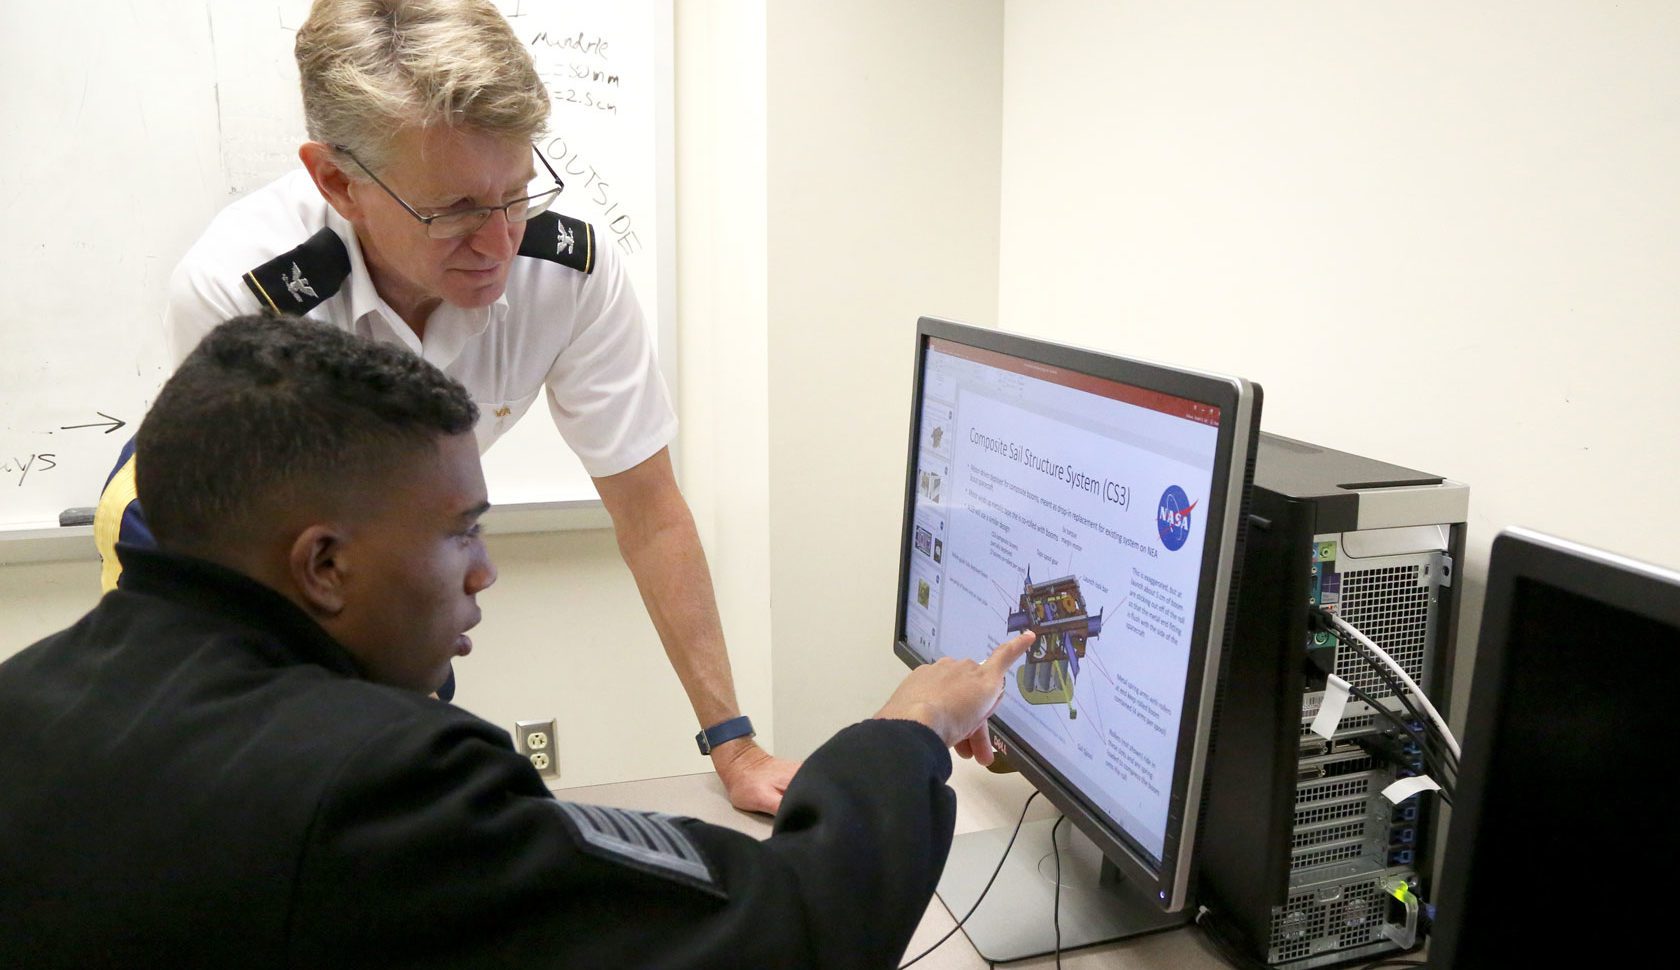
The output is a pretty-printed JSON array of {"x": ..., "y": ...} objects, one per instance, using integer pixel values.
[
  {"x": 298, "y": 281},
  {"x": 560, "y": 239}
]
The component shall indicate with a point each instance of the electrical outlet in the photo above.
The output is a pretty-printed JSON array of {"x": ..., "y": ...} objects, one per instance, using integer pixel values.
[{"x": 535, "y": 740}]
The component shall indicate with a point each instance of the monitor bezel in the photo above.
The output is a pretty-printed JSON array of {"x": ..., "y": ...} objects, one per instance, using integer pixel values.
[
  {"x": 1169, "y": 880},
  {"x": 1523, "y": 555}
]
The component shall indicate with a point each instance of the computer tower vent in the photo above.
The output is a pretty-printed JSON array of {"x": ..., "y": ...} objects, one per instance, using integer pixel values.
[
  {"x": 1334, "y": 919},
  {"x": 1332, "y": 833},
  {"x": 1325, "y": 791},
  {"x": 1329, "y": 813},
  {"x": 1391, "y": 607},
  {"x": 1323, "y": 857},
  {"x": 1350, "y": 724}
]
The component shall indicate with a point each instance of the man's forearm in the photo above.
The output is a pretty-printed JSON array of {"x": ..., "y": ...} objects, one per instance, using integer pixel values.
[
  {"x": 676, "y": 585},
  {"x": 657, "y": 537}
]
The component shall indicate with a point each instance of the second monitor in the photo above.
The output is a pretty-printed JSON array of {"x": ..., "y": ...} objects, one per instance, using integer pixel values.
[
  {"x": 1560, "y": 815},
  {"x": 1097, "y": 501}
]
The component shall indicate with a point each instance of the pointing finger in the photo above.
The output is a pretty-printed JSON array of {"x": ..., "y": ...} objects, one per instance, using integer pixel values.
[{"x": 1010, "y": 651}]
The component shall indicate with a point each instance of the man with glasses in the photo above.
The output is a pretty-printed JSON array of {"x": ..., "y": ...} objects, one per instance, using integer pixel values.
[{"x": 422, "y": 217}]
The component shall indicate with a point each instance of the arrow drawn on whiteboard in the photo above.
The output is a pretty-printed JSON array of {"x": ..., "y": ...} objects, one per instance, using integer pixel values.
[{"x": 110, "y": 424}]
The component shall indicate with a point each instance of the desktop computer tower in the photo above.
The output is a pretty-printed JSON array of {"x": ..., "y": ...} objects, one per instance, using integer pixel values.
[{"x": 1298, "y": 848}]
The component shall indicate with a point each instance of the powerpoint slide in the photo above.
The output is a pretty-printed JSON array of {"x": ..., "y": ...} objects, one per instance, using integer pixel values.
[
  {"x": 1092, "y": 542},
  {"x": 926, "y": 586},
  {"x": 932, "y": 471},
  {"x": 936, "y": 427},
  {"x": 927, "y": 534},
  {"x": 932, "y": 485}
]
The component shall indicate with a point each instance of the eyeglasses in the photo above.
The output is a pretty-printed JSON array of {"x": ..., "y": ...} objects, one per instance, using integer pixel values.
[{"x": 464, "y": 222}]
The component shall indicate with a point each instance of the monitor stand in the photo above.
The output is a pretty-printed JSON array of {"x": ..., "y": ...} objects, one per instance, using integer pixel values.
[{"x": 1015, "y": 919}]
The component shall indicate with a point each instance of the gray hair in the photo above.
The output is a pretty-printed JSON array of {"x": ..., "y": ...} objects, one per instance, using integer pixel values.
[{"x": 372, "y": 67}]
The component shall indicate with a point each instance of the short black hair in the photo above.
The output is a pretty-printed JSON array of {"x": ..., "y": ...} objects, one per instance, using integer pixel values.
[{"x": 265, "y": 404}]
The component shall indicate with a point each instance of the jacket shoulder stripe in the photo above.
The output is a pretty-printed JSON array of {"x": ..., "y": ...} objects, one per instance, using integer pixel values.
[{"x": 651, "y": 842}]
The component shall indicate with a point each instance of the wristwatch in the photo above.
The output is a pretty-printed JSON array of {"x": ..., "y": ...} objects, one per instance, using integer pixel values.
[{"x": 724, "y": 731}]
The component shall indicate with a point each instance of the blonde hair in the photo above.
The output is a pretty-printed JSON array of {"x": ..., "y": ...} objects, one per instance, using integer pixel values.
[{"x": 372, "y": 67}]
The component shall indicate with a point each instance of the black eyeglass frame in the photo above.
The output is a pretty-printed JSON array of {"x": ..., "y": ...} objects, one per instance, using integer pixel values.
[{"x": 485, "y": 210}]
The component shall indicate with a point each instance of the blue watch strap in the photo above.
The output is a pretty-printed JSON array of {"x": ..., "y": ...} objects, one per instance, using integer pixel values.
[{"x": 723, "y": 732}]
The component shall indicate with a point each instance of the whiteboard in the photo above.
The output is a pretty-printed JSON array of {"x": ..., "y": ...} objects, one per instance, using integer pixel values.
[{"x": 128, "y": 126}]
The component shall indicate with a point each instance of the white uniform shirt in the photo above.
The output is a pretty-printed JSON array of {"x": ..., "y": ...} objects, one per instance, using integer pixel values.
[{"x": 582, "y": 336}]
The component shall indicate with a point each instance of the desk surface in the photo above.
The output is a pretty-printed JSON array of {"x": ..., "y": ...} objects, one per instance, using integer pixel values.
[{"x": 984, "y": 801}]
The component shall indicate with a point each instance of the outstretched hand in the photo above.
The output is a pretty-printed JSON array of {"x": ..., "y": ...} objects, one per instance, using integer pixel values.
[
  {"x": 754, "y": 778},
  {"x": 954, "y": 697}
]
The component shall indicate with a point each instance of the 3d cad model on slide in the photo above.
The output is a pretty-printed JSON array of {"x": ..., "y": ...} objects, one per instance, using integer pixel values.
[{"x": 1055, "y": 612}]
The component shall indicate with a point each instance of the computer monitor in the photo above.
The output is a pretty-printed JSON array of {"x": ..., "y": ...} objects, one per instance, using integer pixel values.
[
  {"x": 1559, "y": 815},
  {"x": 1097, "y": 501}
]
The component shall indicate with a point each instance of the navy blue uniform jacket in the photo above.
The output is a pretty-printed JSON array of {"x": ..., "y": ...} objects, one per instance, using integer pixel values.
[{"x": 195, "y": 774}]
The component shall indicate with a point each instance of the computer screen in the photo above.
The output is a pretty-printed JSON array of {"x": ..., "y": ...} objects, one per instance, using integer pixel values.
[
  {"x": 1094, "y": 500},
  {"x": 1559, "y": 815}
]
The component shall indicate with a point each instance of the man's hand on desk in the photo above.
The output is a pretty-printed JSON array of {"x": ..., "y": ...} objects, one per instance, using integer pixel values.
[
  {"x": 954, "y": 697},
  {"x": 753, "y": 776}
]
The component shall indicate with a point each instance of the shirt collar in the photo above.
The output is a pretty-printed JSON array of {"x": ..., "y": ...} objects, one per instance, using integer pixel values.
[
  {"x": 370, "y": 315},
  {"x": 448, "y": 330}
]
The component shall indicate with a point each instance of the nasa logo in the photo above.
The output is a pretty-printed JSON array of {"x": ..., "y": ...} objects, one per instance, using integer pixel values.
[{"x": 1172, "y": 518}]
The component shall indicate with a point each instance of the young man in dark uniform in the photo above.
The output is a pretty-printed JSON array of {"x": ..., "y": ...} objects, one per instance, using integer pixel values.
[{"x": 233, "y": 760}]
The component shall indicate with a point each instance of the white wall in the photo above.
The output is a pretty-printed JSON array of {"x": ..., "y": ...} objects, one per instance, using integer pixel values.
[
  {"x": 1439, "y": 234},
  {"x": 40, "y": 599},
  {"x": 565, "y": 636},
  {"x": 723, "y": 326},
  {"x": 883, "y": 184}
]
